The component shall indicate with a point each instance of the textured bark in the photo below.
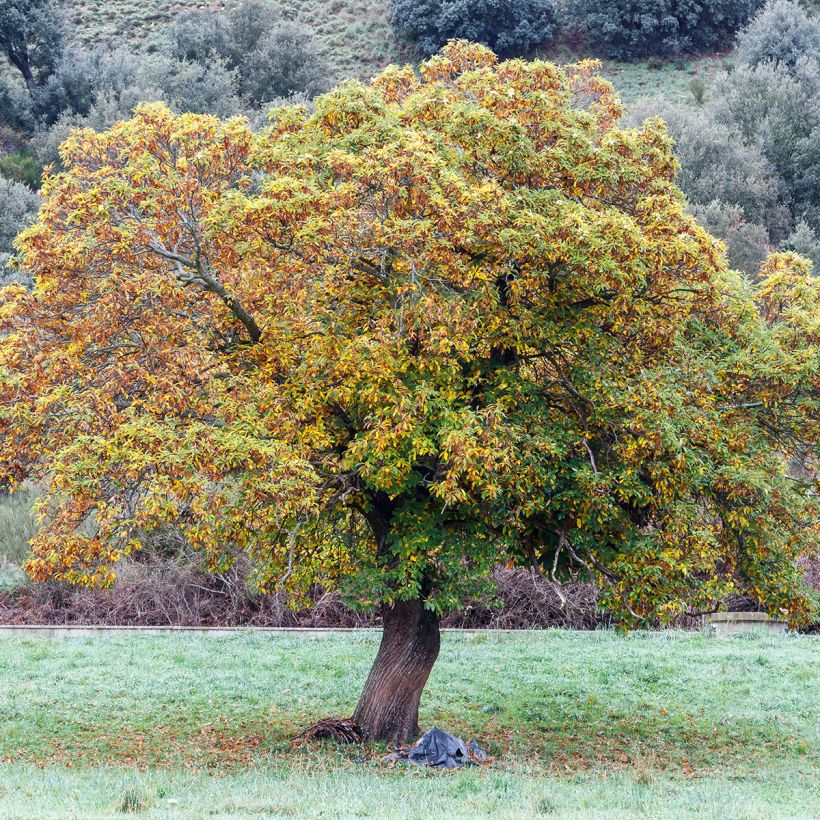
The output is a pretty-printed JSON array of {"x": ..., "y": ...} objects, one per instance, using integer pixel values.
[{"x": 389, "y": 706}]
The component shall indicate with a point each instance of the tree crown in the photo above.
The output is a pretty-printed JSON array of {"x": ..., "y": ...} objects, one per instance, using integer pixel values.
[{"x": 441, "y": 321}]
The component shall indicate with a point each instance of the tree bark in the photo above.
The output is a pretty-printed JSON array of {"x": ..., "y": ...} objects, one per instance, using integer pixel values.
[
  {"x": 389, "y": 706},
  {"x": 20, "y": 61}
]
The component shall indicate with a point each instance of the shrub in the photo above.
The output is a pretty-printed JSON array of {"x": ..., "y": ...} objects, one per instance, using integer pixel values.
[
  {"x": 716, "y": 165},
  {"x": 698, "y": 89},
  {"x": 782, "y": 33},
  {"x": 247, "y": 25},
  {"x": 287, "y": 61},
  {"x": 196, "y": 35},
  {"x": 21, "y": 166},
  {"x": 631, "y": 29},
  {"x": 17, "y": 521},
  {"x": 18, "y": 209},
  {"x": 200, "y": 88},
  {"x": 15, "y": 107},
  {"x": 79, "y": 77},
  {"x": 805, "y": 241},
  {"x": 747, "y": 243},
  {"x": 776, "y": 111},
  {"x": 509, "y": 27},
  {"x": 267, "y": 58},
  {"x": 754, "y": 144}
]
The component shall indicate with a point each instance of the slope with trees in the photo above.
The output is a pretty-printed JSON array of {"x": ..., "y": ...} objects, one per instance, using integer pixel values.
[{"x": 749, "y": 153}]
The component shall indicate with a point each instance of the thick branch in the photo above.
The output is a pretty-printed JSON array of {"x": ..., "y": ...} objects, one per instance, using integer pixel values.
[{"x": 199, "y": 276}]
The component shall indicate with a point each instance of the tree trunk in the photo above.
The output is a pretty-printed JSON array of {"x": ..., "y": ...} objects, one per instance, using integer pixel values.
[
  {"x": 389, "y": 706},
  {"x": 22, "y": 64}
]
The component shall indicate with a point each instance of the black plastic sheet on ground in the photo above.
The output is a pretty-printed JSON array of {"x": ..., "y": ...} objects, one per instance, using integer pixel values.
[{"x": 441, "y": 750}]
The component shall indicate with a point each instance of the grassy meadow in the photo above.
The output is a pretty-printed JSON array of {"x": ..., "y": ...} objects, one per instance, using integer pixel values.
[{"x": 583, "y": 724}]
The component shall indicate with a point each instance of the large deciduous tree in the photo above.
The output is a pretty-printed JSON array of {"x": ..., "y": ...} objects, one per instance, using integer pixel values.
[{"x": 440, "y": 322}]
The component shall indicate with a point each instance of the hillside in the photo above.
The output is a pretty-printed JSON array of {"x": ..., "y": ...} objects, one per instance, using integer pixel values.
[{"x": 357, "y": 34}]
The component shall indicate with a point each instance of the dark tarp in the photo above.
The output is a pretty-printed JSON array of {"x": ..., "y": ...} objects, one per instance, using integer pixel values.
[{"x": 442, "y": 750}]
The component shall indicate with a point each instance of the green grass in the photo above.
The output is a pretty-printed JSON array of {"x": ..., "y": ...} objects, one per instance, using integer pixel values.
[{"x": 669, "y": 724}]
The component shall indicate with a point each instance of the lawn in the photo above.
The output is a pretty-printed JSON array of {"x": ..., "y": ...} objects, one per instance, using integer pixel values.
[{"x": 583, "y": 724}]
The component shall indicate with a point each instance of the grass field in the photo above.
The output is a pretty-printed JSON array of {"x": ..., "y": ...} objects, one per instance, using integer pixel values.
[{"x": 583, "y": 724}]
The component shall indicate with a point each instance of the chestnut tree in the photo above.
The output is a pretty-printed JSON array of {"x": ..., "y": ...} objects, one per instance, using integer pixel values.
[{"x": 443, "y": 320}]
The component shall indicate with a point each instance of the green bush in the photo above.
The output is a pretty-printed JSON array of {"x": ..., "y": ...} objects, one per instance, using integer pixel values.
[
  {"x": 18, "y": 208},
  {"x": 509, "y": 27},
  {"x": 782, "y": 33},
  {"x": 777, "y": 112},
  {"x": 287, "y": 61},
  {"x": 750, "y": 155},
  {"x": 22, "y": 167},
  {"x": 635, "y": 29},
  {"x": 17, "y": 527},
  {"x": 78, "y": 78}
]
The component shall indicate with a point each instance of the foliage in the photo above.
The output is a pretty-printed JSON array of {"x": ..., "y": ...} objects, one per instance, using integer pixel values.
[
  {"x": 248, "y": 24},
  {"x": 197, "y": 34},
  {"x": 79, "y": 77},
  {"x": 731, "y": 188},
  {"x": 806, "y": 242},
  {"x": 209, "y": 63},
  {"x": 355, "y": 33},
  {"x": 272, "y": 59},
  {"x": 15, "y": 107},
  {"x": 754, "y": 144},
  {"x": 464, "y": 309},
  {"x": 286, "y": 61},
  {"x": 31, "y": 37},
  {"x": 18, "y": 209},
  {"x": 233, "y": 35},
  {"x": 633, "y": 29},
  {"x": 189, "y": 86},
  {"x": 510, "y": 27},
  {"x": 747, "y": 243},
  {"x": 17, "y": 526},
  {"x": 185, "y": 86},
  {"x": 782, "y": 32},
  {"x": 21, "y": 166},
  {"x": 777, "y": 111}
]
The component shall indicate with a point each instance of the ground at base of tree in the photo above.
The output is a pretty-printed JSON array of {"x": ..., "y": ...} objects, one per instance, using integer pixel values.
[{"x": 584, "y": 724}]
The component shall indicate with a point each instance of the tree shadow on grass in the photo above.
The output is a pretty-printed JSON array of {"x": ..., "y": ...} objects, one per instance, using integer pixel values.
[{"x": 597, "y": 738}]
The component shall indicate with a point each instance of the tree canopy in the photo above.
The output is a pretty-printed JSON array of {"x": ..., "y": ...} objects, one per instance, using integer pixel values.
[
  {"x": 465, "y": 301},
  {"x": 442, "y": 321}
]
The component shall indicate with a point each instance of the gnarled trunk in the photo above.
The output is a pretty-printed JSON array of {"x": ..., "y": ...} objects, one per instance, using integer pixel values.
[{"x": 389, "y": 706}]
